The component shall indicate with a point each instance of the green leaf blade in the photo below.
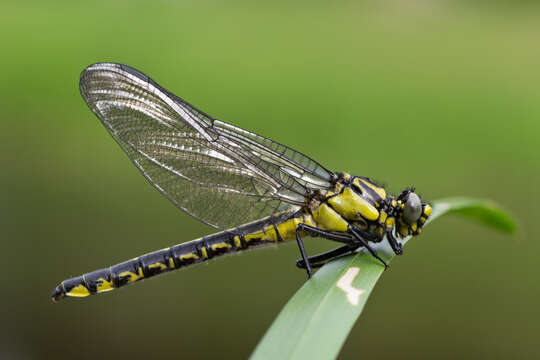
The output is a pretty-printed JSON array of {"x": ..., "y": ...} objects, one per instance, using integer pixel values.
[
  {"x": 305, "y": 321},
  {"x": 317, "y": 320},
  {"x": 485, "y": 211}
]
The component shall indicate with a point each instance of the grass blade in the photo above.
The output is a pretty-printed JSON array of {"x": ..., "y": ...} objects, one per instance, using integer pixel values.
[{"x": 315, "y": 322}]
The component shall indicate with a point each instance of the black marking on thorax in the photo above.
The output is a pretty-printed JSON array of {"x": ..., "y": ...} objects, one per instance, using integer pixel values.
[{"x": 372, "y": 197}]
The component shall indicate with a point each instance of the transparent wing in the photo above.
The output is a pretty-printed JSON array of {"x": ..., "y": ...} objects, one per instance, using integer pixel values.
[{"x": 220, "y": 174}]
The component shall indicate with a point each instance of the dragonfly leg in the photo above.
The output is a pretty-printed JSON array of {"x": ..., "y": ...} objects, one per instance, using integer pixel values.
[
  {"x": 366, "y": 245},
  {"x": 313, "y": 231},
  {"x": 316, "y": 232},
  {"x": 398, "y": 249},
  {"x": 321, "y": 259},
  {"x": 303, "y": 252}
]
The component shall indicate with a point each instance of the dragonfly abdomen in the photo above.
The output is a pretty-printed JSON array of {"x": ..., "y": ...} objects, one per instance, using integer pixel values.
[{"x": 267, "y": 231}]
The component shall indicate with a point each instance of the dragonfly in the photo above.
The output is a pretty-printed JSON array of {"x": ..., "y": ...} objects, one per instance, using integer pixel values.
[{"x": 255, "y": 191}]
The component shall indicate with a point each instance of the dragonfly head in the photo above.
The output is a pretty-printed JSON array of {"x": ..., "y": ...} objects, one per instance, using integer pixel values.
[{"x": 412, "y": 213}]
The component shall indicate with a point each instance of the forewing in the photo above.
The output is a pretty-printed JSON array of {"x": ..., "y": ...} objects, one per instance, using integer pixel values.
[
  {"x": 205, "y": 167},
  {"x": 295, "y": 169}
]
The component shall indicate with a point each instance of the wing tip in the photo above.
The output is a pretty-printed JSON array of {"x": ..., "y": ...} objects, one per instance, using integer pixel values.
[
  {"x": 86, "y": 73},
  {"x": 113, "y": 66},
  {"x": 103, "y": 67}
]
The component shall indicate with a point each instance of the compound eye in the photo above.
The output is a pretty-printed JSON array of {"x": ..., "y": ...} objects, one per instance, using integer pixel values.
[{"x": 412, "y": 209}]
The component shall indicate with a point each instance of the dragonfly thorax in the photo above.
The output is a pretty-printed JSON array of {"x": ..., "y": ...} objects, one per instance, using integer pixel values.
[{"x": 360, "y": 203}]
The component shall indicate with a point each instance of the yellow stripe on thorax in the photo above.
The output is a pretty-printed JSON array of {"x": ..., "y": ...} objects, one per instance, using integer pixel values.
[
  {"x": 353, "y": 206},
  {"x": 359, "y": 183},
  {"x": 328, "y": 219}
]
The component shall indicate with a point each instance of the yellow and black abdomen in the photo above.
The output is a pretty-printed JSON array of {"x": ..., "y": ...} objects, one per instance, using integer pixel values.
[
  {"x": 134, "y": 270},
  {"x": 267, "y": 231}
]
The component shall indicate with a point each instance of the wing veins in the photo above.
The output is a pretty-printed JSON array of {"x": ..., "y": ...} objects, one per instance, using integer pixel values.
[{"x": 218, "y": 173}]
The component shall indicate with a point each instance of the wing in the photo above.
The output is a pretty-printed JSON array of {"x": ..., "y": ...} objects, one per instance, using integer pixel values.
[{"x": 220, "y": 174}]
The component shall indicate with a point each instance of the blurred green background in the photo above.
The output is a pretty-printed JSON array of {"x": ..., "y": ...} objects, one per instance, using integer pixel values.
[{"x": 437, "y": 94}]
